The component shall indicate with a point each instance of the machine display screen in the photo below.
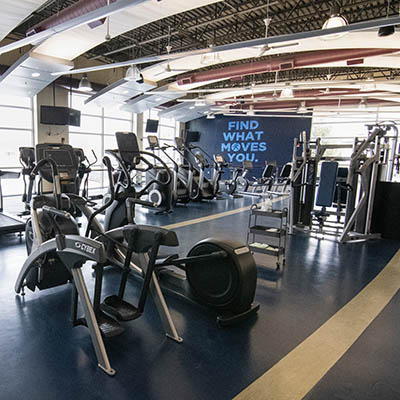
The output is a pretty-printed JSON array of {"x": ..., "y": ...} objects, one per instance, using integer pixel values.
[
  {"x": 179, "y": 142},
  {"x": 192, "y": 136},
  {"x": 152, "y": 126},
  {"x": 61, "y": 157},
  {"x": 247, "y": 165},
  {"x": 153, "y": 141}
]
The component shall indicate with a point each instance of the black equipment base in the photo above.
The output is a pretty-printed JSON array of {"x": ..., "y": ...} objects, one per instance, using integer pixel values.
[
  {"x": 10, "y": 224},
  {"x": 229, "y": 319}
]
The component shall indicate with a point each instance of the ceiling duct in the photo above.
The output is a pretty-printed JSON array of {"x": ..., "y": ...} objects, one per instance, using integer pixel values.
[
  {"x": 310, "y": 103},
  {"x": 283, "y": 63},
  {"x": 76, "y": 10}
]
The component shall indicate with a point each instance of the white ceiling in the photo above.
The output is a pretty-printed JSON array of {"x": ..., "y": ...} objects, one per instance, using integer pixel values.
[
  {"x": 13, "y": 12},
  {"x": 71, "y": 44}
]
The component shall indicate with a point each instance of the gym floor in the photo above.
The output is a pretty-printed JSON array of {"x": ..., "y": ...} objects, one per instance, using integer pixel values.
[{"x": 45, "y": 358}]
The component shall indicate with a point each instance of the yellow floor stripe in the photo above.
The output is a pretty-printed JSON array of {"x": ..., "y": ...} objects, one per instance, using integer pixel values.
[
  {"x": 298, "y": 372},
  {"x": 211, "y": 217}
]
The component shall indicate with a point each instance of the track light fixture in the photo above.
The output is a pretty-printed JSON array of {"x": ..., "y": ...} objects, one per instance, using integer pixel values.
[
  {"x": 133, "y": 74},
  {"x": 85, "y": 85},
  {"x": 386, "y": 30},
  {"x": 335, "y": 20},
  {"x": 302, "y": 109},
  {"x": 287, "y": 92},
  {"x": 210, "y": 116},
  {"x": 363, "y": 104},
  {"x": 251, "y": 112},
  {"x": 200, "y": 102}
]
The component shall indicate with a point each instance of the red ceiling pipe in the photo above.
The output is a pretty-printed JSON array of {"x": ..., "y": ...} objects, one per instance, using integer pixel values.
[
  {"x": 304, "y": 93},
  {"x": 80, "y": 8},
  {"x": 283, "y": 63},
  {"x": 274, "y": 105}
]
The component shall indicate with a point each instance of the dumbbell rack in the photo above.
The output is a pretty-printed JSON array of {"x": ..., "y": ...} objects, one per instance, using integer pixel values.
[{"x": 273, "y": 235}]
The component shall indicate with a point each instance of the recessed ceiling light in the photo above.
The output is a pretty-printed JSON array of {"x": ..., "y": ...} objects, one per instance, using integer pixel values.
[
  {"x": 191, "y": 107},
  {"x": 125, "y": 92},
  {"x": 158, "y": 98},
  {"x": 35, "y": 74}
]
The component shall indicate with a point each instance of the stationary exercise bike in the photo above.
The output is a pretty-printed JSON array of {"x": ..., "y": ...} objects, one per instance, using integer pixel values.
[{"x": 219, "y": 274}]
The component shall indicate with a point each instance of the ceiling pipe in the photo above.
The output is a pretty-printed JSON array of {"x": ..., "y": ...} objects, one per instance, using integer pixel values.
[
  {"x": 310, "y": 104},
  {"x": 333, "y": 92},
  {"x": 80, "y": 8},
  {"x": 283, "y": 63}
]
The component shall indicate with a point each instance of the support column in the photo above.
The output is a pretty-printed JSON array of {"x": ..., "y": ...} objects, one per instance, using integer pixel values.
[
  {"x": 51, "y": 96},
  {"x": 139, "y": 130}
]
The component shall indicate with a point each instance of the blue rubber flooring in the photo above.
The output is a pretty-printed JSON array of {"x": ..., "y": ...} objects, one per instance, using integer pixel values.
[{"x": 44, "y": 357}]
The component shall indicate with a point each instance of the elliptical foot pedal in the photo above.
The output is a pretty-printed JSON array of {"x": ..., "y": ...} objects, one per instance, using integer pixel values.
[
  {"x": 109, "y": 327},
  {"x": 119, "y": 308}
]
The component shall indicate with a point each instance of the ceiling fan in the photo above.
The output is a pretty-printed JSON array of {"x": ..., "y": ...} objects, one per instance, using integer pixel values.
[
  {"x": 267, "y": 47},
  {"x": 167, "y": 67}
]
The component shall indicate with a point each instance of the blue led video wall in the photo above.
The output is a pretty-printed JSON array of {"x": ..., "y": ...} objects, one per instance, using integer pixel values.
[{"x": 256, "y": 139}]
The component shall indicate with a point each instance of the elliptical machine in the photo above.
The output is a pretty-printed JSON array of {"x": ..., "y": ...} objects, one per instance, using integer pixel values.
[
  {"x": 180, "y": 190},
  {"x": 218, "y": 274},
  {"x": 58, "y": 253},
  {"x": 162, "y": 196},
  {"x": 219, "y": 165}
]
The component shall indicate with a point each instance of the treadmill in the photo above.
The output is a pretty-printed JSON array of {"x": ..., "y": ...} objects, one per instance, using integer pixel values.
[{"x": 8, "y": 223}]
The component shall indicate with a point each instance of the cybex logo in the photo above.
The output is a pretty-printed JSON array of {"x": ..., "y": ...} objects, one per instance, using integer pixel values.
[{"x": 85, "y": 247}]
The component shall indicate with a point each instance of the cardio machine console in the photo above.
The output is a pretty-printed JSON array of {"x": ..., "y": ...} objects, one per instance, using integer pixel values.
[
  {"x": 247, "y": 165},
  {"x": 27, "y": 157},
  {"x": 219, "y": 159},
  {"x": 179, "y": 143},
  {"x": 63, "y": 155},
  {"x": 153, "y": 141},
  {"x": 128, "y": 148}
]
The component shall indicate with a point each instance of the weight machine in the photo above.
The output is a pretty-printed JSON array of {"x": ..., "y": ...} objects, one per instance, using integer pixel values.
[{"x": 349, "y": 187}]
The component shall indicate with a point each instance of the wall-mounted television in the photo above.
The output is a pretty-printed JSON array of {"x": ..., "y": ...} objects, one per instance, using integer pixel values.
[
  {"x": 192, "y": 136},
  {"x": 152, "y": 126},
  {"x": 51, "y": 115}
]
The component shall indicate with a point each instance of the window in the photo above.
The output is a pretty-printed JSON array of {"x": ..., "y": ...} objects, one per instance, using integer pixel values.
[
  {"x": 16, "y": 130},
  {"x": 97, "y": 132},
  {"x": 168, "y": 129}
]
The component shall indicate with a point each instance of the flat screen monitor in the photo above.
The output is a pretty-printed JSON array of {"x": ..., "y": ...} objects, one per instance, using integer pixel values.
[
  {"x": 152, "y": 126},
  {"x": 192, "y": 136},
  {"x": 50, "y": 115}
]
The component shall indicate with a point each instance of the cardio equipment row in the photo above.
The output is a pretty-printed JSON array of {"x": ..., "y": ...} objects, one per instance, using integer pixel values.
[
  {"x": 189, "y": 180},
  {"x": 216, "y": 274}
]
